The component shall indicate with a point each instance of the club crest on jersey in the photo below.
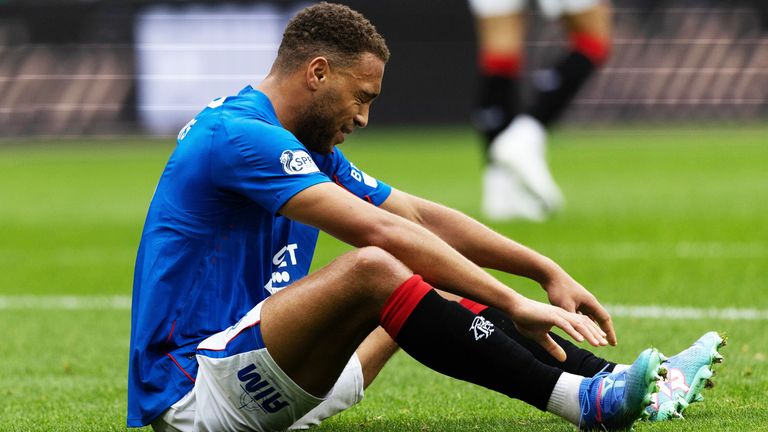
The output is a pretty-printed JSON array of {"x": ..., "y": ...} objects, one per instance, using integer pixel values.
[
  {"x": 481, "y": 327},
  {"x": 297, "y": 162}
]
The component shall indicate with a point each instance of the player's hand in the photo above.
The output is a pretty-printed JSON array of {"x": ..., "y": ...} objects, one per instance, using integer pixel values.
[
  {"x": 565, "y": 292},
  {"x": 535, "y": 319}
]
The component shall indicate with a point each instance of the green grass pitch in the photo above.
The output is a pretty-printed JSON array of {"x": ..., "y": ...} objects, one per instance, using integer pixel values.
[{"x": 673, "y": 217}]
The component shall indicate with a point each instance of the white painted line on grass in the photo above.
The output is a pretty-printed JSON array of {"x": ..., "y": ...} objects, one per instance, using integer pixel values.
[
  {"x": 686, "y": 313},
  {"x": 65, "y": 302},
  {"x": 651, "y": 250},
  {"x": 118, "y": 302}
]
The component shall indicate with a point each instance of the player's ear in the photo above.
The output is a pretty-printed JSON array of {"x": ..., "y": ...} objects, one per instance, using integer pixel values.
[{"x": 317, "y": 72}]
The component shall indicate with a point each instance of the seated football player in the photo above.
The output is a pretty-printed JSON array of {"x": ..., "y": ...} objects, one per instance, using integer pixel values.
[{"x": 229, "y": 331}]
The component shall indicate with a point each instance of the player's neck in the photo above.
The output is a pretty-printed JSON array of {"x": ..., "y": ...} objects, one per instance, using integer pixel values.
[{"x": 285, "y": 98}]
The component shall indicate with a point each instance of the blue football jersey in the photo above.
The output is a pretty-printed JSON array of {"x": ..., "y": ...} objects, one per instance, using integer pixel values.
[{"x": 213, "y": 244}]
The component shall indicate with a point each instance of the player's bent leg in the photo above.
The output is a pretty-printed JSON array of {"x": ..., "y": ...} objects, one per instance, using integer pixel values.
[
  {"x": 452, "y": 340},
  {"x": 439, "y": 333},
  {"x": 330, "y": 307},
  {"x": 312, "y": 327},
  {"x": 241, "y": 384}
]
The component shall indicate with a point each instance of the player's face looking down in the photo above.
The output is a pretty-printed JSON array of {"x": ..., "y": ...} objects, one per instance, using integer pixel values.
[{"x": 341, "y": 100}]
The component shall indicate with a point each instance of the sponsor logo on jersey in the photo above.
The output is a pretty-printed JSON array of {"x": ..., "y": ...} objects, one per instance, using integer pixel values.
[
  {"x": 282, "y": 259},
  {"x": 361, "y": 176},
  {"x": 297, "y": 162},
  {"x": 258, "y": 393},
  {"x": 481, "y": 327}
]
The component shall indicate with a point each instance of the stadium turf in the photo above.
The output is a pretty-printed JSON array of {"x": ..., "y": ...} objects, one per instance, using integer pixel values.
[{"x": 666, "y": 217}]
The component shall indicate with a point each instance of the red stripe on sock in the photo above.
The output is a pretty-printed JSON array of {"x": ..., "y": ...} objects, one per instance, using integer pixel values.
[
  {"x": 505, "y": 65},
  {"x": 401, "y": 303},
  {"x": 473, "y": 306},
  {"x": 593, "y": 47}
]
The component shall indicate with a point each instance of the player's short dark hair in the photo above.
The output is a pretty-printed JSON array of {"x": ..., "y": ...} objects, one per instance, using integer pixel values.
[{"x": 333, "y": 31}]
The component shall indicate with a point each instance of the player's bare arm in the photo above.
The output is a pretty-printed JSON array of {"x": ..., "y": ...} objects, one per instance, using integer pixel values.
[
  {"x": 335, "y": 211},
  {"x": 489, "y": 249}
]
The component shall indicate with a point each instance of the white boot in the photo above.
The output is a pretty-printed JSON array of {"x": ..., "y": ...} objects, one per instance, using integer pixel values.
[
  {"x": 505, "y": 198},
  {"x": 521, "y": 150}
]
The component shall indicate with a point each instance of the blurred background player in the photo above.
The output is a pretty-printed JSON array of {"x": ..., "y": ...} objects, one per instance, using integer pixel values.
[{"x": 517, "y": 183}]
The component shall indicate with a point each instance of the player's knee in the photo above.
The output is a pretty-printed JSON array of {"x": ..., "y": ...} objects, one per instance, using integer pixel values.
[
  {"x": 377, "y": 272},
  {"x": 374, "y": 261}
]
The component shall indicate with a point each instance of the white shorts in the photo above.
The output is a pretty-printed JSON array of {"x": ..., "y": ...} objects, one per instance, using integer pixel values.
[
  {"x": 550, "y": 8},
  {"x": 240, "y": 387}
]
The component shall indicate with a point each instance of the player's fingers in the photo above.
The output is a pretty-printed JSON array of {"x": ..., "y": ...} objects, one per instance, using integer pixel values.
[
  {"x": 555, "y": 350},
  {"x": 567, "y": 327},
  {"x": 595, "y": 311},
  {"x": 599, "y": 333},
  {"x": 592, "y": 318},
  {"x": 584, "y": 325},
  {"x": 594, "y": 327},
  {"x": 606, "y": 324},
  {"x": 603, "y": 319}
]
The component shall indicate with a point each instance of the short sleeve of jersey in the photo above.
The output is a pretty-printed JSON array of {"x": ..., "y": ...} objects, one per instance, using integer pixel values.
[
  {"x": 347, "y": 175},
  {"x": 264, "y": 162}
]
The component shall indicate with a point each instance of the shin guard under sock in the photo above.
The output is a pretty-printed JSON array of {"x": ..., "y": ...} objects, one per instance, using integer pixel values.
[
  {"x": 450, "y": 339},
  {"x": 578, "y": 362}
]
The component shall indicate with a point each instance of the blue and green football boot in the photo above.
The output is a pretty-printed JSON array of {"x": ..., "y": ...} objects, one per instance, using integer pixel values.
[
  {"x": 613, "y": 401},
  {"x": 688, "y": 373}
]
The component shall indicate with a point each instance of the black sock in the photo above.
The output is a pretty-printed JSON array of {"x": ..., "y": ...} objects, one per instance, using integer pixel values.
[
  {"x": 450, "y": 339},
  {"x": 497, "y": 105},
  {"x": 579, "y": 361},
  {"x": 556, "y": 87}
]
